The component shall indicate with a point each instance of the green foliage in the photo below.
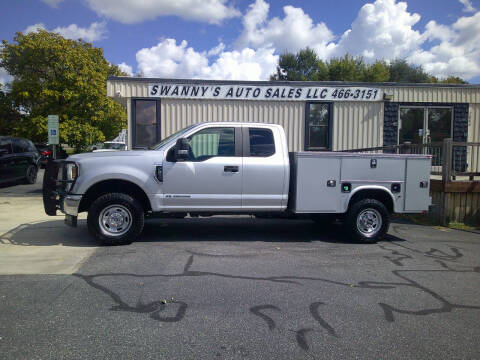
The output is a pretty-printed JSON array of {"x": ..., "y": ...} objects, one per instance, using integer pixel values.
[
  {"x": 346, "y": 69},
  {"x": 54, "y": 75},
  {"x": 376, "y": 72},
  {"x": 306, "y": 66},
  {"x": 402, "y": 72},
  {"x": 453, "y": 80}
]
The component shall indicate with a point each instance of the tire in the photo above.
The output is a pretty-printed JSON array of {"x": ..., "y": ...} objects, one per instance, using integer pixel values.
[
  {"x": 367, "y": 221},
  {"x": 31, "y": 174},
  {"x": 115, "y": 219}
]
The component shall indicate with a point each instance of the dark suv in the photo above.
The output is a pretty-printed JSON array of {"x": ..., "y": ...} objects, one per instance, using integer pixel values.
[{"x": 19, "y": 160}]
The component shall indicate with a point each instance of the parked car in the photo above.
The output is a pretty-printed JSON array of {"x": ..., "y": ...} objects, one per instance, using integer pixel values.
[
  {"x": 46, "y": 152},
  {"x": 19, "y": 160},
  {"x": 235, "y": 168}
]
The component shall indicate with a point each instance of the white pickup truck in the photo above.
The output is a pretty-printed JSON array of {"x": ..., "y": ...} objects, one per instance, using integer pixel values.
[{"x": 234, "y": 168}]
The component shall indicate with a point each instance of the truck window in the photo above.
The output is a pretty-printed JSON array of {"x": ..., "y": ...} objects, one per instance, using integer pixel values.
[
  {"x": 261, "y": 142},
  {"x": 211, "y": 142}
]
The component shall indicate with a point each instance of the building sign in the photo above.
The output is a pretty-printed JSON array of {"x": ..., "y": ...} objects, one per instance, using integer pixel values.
[
  {"x": 264, "y": 92},
  {"x": 53, "y": 135}
]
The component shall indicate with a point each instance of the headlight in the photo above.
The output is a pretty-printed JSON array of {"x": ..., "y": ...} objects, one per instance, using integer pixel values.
[
  {"x": 72, "y": 171},
  {"x": 71, "y": 175}
]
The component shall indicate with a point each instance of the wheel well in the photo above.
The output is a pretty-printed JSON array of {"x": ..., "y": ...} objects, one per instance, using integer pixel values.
[
  {"x": 377, "y": 194},
  {"x": 111, "y": 186}
]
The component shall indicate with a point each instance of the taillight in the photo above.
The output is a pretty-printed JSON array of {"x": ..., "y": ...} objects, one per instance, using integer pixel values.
[{"x": 47, "y": 153}]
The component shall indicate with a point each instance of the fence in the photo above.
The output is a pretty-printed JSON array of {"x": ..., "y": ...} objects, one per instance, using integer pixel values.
[{"x": 454, "y": 177}]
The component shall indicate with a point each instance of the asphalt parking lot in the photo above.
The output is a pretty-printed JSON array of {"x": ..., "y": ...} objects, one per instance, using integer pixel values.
[{"x": 233, "y": 288}]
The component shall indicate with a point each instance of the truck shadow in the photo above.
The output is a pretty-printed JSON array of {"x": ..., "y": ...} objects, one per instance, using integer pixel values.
[
  {"x": 49, "y": 233},
  {"x": 241, "y": 229},
  {"x": 244, "y": 229}
]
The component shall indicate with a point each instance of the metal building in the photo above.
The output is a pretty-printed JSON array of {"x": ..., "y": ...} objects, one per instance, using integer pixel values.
[{"x": 315, "y": 115}]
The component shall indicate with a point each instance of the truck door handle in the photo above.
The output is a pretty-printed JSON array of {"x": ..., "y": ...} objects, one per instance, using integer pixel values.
[{"x": 233, "y": 169}]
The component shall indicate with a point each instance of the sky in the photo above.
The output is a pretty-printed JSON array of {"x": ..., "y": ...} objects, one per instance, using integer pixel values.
[{"x": 242, "y": 39}]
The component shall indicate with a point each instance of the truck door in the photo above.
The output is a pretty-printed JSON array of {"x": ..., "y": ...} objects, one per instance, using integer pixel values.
[
  {"x": 211, "y": 179},
  {"x": 263, "y": 169}
]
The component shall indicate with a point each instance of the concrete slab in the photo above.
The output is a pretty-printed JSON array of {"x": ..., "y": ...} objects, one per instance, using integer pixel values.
[{"x": 32, "y": 242}]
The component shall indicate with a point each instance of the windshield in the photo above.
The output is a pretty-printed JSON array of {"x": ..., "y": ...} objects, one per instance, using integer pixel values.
[
  {"x": 178, "y": 134},
  {"x": 114, "y": 146}
]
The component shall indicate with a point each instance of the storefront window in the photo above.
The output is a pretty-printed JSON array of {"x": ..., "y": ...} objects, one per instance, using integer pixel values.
[
  {"x": 146, "y": 127},
  {"x": 317, "y": 126},
  {"x": 422, "y": 125}
]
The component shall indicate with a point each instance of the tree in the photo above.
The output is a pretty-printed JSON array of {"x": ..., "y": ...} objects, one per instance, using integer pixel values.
[
  {"x": 403, "y": 72},
  {"x": 306, "y": 66},
  {"x": 303, "y": 66},
  {"x": 347, "y": 68},
  {"x": 54, "y": 75},
  {"x": 376, "y": 72},
  {"x": 9, "y": 116}
]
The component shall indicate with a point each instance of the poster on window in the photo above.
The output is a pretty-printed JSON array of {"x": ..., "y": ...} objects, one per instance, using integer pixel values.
[{"x": 251, "y": 92}]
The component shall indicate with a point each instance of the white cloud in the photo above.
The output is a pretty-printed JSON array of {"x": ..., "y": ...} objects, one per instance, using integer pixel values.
[
  {"x": 458, "y": 52},
  {"x": 467, "y": 6},
  {"x": 382, "y": 30},
  {"x": 95, "y": 32},
  {"x": 52, "y": 3},
  {"x": 169, "y": 60},
  {"x": 126, "y": 68},
  {"x": 135, "y": 11},
  {"x": 295, "y": 31}
]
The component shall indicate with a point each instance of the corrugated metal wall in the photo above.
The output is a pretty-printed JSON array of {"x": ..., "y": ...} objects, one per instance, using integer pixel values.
[
  {"x": 434, "y": 94},
  {"x": 177, "y": 114},
  {"x": 357, "y": 125}
]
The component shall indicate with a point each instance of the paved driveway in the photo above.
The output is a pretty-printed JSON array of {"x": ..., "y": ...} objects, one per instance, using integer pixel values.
[{"x": 237, "y": 288}]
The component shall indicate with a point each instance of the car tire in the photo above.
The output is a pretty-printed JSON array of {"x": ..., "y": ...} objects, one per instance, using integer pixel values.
[
  {"x": 367, "y": 221},
  {"x": 115, "y": 219},
  {"x": 31, "y": 174}
]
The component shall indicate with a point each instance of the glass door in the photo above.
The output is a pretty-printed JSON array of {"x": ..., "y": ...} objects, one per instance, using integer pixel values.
[{"x": 412, "y": 125}]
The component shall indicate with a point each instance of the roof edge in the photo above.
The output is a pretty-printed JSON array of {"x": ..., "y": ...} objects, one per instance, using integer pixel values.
[{"x": 297, "y": 83}]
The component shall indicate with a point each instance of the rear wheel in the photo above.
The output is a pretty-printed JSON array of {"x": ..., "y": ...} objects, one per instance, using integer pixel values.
[
  {"x": 31, "y": 174},
  {"x": 115, "y": 219},
  {"x": 367, "y": 220}
]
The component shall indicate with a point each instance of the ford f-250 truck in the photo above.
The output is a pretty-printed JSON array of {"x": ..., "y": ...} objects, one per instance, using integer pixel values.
[{"x": 234, "y": 168}]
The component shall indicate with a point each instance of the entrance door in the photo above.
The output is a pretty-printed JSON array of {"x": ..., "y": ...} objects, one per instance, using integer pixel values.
[
  {"x": 211, "y": 179},
  {"x": 423, "y": 125},
  {"x": 412, "y": 125}
]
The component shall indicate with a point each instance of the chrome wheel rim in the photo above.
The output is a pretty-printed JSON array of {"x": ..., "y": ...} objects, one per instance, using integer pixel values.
[
  {"x": 369, "y": 222},
  {"x": 115, "y": 220}
]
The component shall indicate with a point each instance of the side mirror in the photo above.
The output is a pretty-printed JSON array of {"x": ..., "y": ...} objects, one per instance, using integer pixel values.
[{"x": 181, "y": 149}]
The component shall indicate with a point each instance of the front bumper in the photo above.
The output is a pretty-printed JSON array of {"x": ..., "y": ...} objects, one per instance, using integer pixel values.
[{"x": 70, "y": 203}]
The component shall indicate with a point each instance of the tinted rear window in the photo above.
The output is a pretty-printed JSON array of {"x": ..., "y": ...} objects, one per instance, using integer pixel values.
[{"x": 261, "y": 142}]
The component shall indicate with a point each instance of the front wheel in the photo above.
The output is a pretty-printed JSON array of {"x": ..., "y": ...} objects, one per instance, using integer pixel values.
[
  {"x": 115, "y": 219},
  {"x": 367, "y": 220},
  {"x": 31, "y": 174}
]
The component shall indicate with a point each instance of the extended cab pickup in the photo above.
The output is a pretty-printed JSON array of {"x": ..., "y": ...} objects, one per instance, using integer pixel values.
[{"x": 234, "y": 168}]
